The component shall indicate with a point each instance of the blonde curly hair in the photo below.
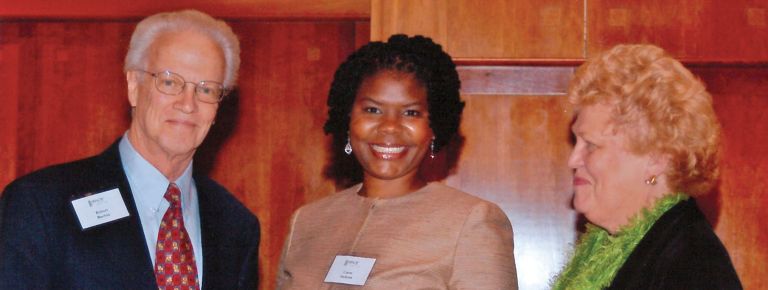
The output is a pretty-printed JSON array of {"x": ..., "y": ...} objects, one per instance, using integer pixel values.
[{"x": 662, "y": 108}]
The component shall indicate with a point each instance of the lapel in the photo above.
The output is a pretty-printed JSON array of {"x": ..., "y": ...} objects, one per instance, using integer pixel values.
[
  {"x": 230, "y": 249},
  {"x": 211, "y": 231},
  {"x": 647, "y": 256},
  {"x": 123, "y": 241}
]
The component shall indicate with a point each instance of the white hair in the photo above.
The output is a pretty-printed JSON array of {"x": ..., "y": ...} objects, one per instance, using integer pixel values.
[{"x": 149, "y": 29}]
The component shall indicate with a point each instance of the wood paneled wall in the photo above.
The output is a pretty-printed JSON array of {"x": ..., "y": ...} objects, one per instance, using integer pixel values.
[
  {"x": 515, "y": 155},
  {"x": 741, "y": 102},
  {"x": 491, "y": 29},
  {"x": 64, "y": 100},
  {"x": 89, "y": 9},
  {"x": 716, "y": 31},
  {"x": 711, "y": 30}
]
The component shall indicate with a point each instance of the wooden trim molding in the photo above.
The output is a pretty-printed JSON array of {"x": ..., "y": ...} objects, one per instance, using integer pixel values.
[
  {"x": 92, "y": 9},
  {"x": 544, "y": 77},
  {"x": 515, "y": 80}
]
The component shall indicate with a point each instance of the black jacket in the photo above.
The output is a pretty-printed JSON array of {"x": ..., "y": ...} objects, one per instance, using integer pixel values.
[
  {"x": 43, "y": 247},
  {"x": 680, "y": 251}
]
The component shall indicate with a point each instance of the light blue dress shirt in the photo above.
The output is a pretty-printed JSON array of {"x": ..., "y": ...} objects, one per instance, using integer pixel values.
[{"x": 148, "y": 186}]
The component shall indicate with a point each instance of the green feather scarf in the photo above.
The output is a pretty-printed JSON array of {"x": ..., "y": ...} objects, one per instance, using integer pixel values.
[{"x": 599, "y": 256}]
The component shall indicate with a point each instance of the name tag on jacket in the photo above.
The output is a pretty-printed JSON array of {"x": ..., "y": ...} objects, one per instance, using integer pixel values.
[
  {"x": 350, "y": 270},
  {"x": 100, "y": 208}
]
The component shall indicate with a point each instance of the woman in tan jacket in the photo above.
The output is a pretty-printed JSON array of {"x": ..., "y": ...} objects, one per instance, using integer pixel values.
[{"x": 392, "y": 105}]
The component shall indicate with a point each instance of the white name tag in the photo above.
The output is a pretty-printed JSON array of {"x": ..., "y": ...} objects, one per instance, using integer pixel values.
[
  {"x": 350, "y": 270},
  {"x": 100, "y": 208}
]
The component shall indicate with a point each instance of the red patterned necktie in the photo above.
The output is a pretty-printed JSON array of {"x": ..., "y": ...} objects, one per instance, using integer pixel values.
[{"x": 175, "y": 266}]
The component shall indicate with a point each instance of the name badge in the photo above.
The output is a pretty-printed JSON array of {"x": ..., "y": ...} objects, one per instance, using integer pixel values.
[
  {"x": 350, "y": 270},
  {"x": 99, "y": 208}
]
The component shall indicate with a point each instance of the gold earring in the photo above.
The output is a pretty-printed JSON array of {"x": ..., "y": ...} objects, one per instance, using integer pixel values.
[{"x": 651, "y": 180}]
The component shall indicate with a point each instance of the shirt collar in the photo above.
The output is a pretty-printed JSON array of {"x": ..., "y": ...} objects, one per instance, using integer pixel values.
[{"x": 146, "y": 181}]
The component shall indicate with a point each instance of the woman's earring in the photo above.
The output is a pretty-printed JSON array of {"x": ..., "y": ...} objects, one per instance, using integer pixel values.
[
  {"x": 651, "y": 181},
  {"x": 348, "y": 147},
  {"x": 432, "y": 149}
]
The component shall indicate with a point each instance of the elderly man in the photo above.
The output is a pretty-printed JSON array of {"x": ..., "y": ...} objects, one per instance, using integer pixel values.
[{"x": 136, "y": 216}]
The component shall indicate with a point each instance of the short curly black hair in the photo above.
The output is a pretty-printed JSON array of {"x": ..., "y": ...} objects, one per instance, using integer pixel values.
[{"x": 418, "y": 56}]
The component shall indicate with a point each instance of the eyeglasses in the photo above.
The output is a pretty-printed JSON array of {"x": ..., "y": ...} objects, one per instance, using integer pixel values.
[{"x": 170, "y": 83}]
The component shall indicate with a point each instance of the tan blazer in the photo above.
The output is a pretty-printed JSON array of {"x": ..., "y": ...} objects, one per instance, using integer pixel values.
[{"x": 435, "y": 238}]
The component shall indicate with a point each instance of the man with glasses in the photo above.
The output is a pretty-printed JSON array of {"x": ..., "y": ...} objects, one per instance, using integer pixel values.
[{"x": 137, "y": 216}]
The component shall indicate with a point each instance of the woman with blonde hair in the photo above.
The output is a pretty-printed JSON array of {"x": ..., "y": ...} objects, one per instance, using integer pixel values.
[{"x": 646, "y": 145}]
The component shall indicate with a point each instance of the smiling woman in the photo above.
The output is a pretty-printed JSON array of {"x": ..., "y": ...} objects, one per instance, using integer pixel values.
[
  {"x": 391, "y": 105},
  {"x": 646, "y": 143},
  {"x": 389, "y": 131}
]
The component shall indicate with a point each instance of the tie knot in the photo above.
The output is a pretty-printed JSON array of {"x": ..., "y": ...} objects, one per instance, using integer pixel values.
[{"x": 173, "y": 195}]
